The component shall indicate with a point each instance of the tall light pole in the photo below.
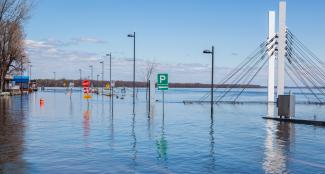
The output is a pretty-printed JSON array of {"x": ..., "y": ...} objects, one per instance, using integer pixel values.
[
  {"x": 110, "y": 67},
  {"x": 80, "y": 74},
  {"x": 22, "y": 65},
  {"x": 97, "y": 82},
  {"x": 102, "y": 62},
  {"x": 30, "y": 72},
  {"x": 54, "y": 76},
  {"x": 212, "y": 74},
  {"x": 110, "y": 75},
  {"x": 133, "y": 36},
  {"x": 91, "y": 75}
]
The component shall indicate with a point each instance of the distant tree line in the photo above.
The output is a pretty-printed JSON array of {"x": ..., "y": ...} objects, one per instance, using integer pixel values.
[{"x": 119, "y": 83}]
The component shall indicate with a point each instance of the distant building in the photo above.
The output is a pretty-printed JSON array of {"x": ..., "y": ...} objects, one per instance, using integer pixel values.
[{"x": 16, "y": 84}]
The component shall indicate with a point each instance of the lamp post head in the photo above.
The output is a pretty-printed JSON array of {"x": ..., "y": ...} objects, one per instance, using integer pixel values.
[
  {"x": 101, "y": 62},
  {"x": 207, "y": 52},
  {"x": 130, "y": 35},
  {"x": 108, "y": 54}
]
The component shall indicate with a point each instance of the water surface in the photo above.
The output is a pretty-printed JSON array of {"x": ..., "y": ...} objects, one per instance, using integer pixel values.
[{"x": 69, "y": 135}]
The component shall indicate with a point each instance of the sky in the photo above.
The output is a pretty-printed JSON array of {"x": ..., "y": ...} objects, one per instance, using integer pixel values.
[{"x": 64, "y": 36}]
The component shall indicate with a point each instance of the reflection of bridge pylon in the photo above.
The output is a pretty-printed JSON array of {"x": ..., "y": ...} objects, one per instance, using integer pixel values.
[{"x": 282, "y": 52}]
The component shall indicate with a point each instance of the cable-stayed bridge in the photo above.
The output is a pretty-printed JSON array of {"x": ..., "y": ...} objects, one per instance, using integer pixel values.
[{"x": 284, "y": 55}]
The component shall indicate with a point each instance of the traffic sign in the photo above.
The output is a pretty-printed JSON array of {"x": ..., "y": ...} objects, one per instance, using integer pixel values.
[
  {"x": 86, "y": 83},
  {"x": 162, "y": 81},
  {"x": 86, "y": 90},
  {"x": 87, "y": 96},
  {"x": 107, "y": 86}
]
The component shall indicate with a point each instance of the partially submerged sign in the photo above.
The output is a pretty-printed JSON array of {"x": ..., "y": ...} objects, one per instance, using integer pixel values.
[
  {"x": 107, "y": 86},
  {"x": 87, "y": 96},
  {"x": 162, "y": 81},
  {"x": 86, "y": 84}
]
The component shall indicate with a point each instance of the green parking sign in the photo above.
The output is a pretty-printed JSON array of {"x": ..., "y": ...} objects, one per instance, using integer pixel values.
[{"x": 162, "y": 80}]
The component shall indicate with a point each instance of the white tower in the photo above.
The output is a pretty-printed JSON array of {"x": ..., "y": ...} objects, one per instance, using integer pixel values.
[
  {"x": 282, "y": 47},
  {"x": 271, "y": 48}
]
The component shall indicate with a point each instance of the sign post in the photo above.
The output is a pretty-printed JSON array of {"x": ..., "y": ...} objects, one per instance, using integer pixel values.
[
  {"x": 162, "y": 84},
  {"x": 112, "y": 96}
]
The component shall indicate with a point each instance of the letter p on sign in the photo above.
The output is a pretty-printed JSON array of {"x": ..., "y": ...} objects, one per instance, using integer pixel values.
[{"x": 162, "y": 79}]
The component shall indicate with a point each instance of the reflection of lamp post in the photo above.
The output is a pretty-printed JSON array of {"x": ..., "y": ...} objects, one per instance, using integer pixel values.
[
  {"x": 212, "y": 72},
  {"x": 133, "y": 36}
]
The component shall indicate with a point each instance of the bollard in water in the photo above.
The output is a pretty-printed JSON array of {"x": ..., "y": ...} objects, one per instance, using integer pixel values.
[{"x": 41, "y": 102}]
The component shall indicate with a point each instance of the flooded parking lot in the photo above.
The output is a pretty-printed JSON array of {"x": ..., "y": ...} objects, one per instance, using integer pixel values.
[{"x": 68, "y": 135}]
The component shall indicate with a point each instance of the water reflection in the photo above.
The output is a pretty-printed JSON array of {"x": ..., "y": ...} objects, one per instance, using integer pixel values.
[
  {"x": 70, "y": 107},
  {"x": 212, "y": 166},
  {"x": 111, "y": 131},
  {"x": 161, "y": 143},
  {"x": 134, "y": 142},
  {"x": 12, "y": 133},
  {"x": 279, "y": 137},
  {"x": 86, "y": 124},
  {"x": 270, "y": 109}
]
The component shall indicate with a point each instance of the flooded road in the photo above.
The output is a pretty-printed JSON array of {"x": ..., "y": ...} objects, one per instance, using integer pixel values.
[{"x": 68, "y": 135}]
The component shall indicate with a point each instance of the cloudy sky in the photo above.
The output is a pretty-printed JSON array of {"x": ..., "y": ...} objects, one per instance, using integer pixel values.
[{"x": 63, "y": 36}]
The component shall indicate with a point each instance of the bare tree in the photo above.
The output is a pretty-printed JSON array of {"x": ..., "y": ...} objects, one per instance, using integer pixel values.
[
  {"x": 149, "y": 71},
  {"x": 13, "y": 13}
]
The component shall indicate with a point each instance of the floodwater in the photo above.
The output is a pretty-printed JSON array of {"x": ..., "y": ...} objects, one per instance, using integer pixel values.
[{"x": 68, "y": 135}]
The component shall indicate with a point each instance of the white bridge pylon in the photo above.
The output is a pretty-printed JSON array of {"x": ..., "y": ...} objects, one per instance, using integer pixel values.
[{"x": 276, "y": 43}]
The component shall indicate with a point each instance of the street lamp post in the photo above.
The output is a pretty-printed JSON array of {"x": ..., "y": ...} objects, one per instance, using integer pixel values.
[
  {"x": 102, "y": 62},
  {"x": 80, "y": 76},
  {"x": 212, "y": 74},
  {"x": 91, "y": 75},
  {"x": 29, "y": 67},
  {"x": 110, "y": 75},
  {"x": 30, "y": 72},
  {"x": 133, "y": 36},
  {"x": 110, "y": 67},
  {"x": 97, "y": 82},
  {"x": 54, "y": 76}
]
